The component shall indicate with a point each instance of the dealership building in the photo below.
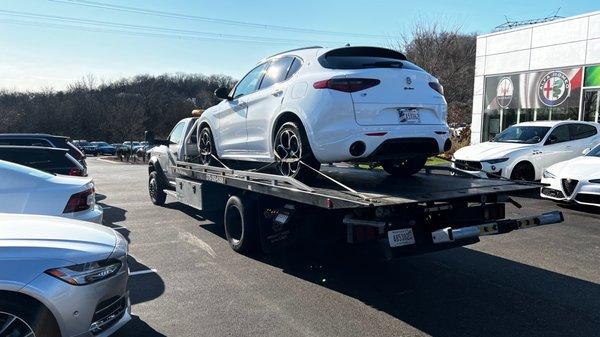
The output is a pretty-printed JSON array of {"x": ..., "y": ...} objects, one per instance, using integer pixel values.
[{"x": 546, "y": 71}]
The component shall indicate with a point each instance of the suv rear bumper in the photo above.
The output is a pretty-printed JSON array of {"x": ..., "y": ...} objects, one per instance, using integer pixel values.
[{"x": 385, "y": 143}]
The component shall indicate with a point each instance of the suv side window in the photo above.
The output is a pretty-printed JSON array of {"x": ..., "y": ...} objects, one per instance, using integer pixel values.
[
  {"x": 580, "y": 131},
  {"x": 250, "y": 82},
  {"x": 294, "y": 67},
  {"x": 561, "y": 133},
  {"x": 276, "y": 72},
  {"x": 176, "y": 134}
]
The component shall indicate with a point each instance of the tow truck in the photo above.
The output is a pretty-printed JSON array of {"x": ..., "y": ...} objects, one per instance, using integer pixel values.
[{"x": 436, "y": 209}]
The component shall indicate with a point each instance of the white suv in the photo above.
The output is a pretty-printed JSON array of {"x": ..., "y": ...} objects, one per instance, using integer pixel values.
[{"x": 319, "y": 105}]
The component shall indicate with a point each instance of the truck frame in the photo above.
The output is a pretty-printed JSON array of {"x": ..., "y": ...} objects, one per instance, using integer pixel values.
[{"x": 438, "y": 208}]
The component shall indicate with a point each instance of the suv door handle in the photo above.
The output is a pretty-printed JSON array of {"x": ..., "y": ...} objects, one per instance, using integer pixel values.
[{"x": 277, "y": 93}]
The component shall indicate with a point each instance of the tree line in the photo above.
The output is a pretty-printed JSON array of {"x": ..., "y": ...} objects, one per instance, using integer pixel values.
[
  {"x": 115, "y": 111},
  {"x": 121, "y": 110}
]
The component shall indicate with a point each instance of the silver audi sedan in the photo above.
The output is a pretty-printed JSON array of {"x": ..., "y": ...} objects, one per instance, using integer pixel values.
[{"x": 61, "y": 277}]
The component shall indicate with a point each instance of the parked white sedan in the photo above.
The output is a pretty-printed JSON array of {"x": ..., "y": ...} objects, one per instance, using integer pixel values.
[
  {"x": 524, "y": 150},
  {"x": 30, "y": 191},
  {"x": 576, "y": 180}
]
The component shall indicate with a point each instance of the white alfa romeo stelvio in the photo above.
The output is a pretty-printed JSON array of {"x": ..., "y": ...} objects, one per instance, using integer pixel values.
[{"x": 319, "y": 105}]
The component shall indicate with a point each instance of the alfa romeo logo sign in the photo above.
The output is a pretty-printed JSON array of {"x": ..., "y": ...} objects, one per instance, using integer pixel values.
[
  {"x": 504, "y": 92},
  {"x": 554, "y": 88}
]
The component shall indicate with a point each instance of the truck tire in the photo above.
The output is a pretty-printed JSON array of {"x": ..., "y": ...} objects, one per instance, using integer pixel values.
[
  {"x": 404, "y": 168},
  {"x": 156, "y": 189},
  {"x": 240, "y": 222}
]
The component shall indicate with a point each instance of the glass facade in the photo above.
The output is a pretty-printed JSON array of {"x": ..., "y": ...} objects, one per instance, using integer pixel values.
[{"x": 556, "y": 94}]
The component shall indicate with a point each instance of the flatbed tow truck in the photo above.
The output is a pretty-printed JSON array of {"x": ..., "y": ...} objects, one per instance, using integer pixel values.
[{"x": 438, "y": 208}]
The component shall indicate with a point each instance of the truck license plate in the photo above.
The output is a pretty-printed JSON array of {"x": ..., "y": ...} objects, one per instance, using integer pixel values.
[
  {"x": 401, "y": 237},
  {"x": 409, "y": 115}
]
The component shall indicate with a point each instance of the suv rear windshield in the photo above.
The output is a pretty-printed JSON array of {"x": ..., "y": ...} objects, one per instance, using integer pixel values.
[{"x": 365, "y": 57}]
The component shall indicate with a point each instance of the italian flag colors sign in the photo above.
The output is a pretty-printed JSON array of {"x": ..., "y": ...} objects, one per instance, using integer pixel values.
[{"x": 592, "y": 76}]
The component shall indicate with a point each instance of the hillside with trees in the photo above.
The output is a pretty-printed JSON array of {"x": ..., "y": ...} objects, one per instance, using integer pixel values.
[{"x": 115, "y": 111}]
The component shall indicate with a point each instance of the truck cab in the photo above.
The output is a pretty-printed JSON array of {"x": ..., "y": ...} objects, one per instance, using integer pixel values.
[{"x": 166, "y": 152}]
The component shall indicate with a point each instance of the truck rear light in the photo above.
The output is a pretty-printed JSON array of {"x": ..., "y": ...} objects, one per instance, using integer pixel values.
[
  {"x": 347, "y": 84},
  {"x": 80, "y": 201},
  {"x": 437, "y": 87},
  {"x": 75, "y": 171}
]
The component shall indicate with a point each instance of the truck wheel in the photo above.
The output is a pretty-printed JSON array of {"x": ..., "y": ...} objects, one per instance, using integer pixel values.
[
  {"x": 240, "y": 224},
  {"x": 404, "y": 168},
  {"x": 291, "y": 146},
  {"x": 156, "y": 189},
  {"x": 206, "y": 147}
]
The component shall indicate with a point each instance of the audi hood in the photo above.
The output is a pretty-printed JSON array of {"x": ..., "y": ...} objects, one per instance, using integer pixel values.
[
  {"x": 489, "y": 150},
  {"x": 580, "y": 168}
]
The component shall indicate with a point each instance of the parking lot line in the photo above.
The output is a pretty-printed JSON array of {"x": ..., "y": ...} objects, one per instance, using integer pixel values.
[{"x": 141, "y": 272}]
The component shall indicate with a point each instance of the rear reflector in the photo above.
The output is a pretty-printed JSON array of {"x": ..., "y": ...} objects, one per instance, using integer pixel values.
[
  {"x": 437, "y": 87},
  {"x": 80, "y": 201},
  {"x": 347, "y": 84}
]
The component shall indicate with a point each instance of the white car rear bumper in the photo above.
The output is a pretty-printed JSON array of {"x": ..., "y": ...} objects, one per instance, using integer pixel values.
[
  {"x": 374, "y": 137},
  {"x": 94, "y": 214}
]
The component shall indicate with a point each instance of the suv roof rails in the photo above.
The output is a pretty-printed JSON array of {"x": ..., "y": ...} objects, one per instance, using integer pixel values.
[{"x": 287, "y": 51}]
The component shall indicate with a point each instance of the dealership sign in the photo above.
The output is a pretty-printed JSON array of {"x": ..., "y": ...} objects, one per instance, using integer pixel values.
[
  {"x": 554, "y": 88},
  {"x": 543, "y": 89},
  {"x": 504, "y": 92}
]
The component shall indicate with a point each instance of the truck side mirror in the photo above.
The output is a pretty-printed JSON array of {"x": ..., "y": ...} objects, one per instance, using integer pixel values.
[
  {"x": 223, "y": 93},
  {"x": 149, "y": 136}
]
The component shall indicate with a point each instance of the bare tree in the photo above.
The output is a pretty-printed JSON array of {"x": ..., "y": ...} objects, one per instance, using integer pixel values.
[{"x": 447, "y": 54}]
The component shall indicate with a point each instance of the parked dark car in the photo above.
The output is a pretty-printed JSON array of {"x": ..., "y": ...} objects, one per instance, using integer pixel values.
[
  {"x": 86, "y": 147},
  {"x": 104, "y": 148},
  {"x": 48, "y": 159},
  {"x": 41, "y": 139}
]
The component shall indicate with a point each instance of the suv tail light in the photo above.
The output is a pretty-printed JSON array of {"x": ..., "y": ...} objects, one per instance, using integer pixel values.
[
  {"x": 437, "y": 87},
  {"x": 80, "y": 201},
  {"x": 75, "y": 171},
  {"x": 347, "y": 84}
]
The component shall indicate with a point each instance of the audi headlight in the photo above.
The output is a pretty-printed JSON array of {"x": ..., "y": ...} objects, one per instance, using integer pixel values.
[
  {"x": 86, "y": 273},
  {"x": 595, "y": 181},
  {"x": 548, "y": 175},
  {"x": 495, "y": 161}
]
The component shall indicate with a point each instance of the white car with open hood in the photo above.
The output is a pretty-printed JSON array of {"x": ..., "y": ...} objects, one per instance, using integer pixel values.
[
  {"x": 524, "y": 150},
  {"x": 576, "y": 180}
]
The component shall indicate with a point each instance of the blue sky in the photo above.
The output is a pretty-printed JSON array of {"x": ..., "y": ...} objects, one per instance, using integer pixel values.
[{"x": 35, "y": 53}]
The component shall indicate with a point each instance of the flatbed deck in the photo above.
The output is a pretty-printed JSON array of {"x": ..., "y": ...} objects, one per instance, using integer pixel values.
[{"x": 366, "y": 188}]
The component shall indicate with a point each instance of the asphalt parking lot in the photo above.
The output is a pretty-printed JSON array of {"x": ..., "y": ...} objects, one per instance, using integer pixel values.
[{"x": 186, "y": 281}]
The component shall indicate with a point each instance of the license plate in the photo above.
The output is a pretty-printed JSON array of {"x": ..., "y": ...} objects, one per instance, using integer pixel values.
[
  {"x": 401, "y": 237},
  {"x": 409, "y": 116}
]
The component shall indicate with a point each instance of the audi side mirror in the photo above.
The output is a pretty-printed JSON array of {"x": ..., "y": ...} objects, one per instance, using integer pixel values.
[{"x": 223, "y": 93}]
